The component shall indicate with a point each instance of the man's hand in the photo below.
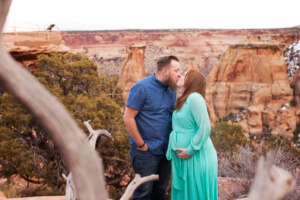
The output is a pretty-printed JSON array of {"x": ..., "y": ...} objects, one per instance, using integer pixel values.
[
  {"x": 144, "y": 148},
  {"x": 183, "y": 155}
]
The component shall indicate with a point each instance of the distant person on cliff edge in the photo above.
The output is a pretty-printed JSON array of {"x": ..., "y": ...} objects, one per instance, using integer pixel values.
[
  {"x": 148, "y": 117},
  {"x": 193, "y": 155}
]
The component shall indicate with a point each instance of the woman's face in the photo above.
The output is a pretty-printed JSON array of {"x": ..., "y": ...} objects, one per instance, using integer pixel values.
[{"x": 180, "y": 82}]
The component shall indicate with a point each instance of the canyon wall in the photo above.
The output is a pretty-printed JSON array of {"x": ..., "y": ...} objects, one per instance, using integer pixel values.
[
  {"x": 199, "y": 48},
  {"x": 252, "y": 79},
  {"x": 296, "y": 85}
]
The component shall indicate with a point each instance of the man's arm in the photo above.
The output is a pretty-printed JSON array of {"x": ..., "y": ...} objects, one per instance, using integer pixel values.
[{"x": 130, "y": 123}]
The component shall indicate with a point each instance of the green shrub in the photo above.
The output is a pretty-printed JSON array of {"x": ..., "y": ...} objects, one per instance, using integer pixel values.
[
  {"x": 227, "y": 137},
  {"x": 241, "y": 109},
  {"x": 293, "y": 102},
  {"x": 25, "y": 147}
]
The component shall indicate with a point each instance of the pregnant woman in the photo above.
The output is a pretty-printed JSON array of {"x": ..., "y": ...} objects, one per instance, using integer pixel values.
[{"x": 194, "y": 158}]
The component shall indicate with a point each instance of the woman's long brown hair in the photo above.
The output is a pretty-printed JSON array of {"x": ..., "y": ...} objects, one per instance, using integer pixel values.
[{"x": 194, "y": 82}]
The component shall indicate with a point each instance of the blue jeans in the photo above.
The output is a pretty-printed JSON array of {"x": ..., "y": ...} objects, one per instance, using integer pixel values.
[{"x": 145, "y": 164}]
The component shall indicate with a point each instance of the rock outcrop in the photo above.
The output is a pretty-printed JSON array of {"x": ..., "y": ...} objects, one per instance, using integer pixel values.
[
  {"x": 133, "y": 68},
  {"x": 252, "y": 76},
  {"x": 26, "y": 47},
  {"x": 297, "y": 93}
]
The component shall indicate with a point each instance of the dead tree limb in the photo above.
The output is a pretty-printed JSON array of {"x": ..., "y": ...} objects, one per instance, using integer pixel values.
[
  {"x": 68, "y": 137},
  {"x": 135, "y": 183},
  {"x": 94, "y": 134},
  {"x": 71, "y": 193},
  {"x": 70, "y": 188},
  {"x": 271, "y": 182}
]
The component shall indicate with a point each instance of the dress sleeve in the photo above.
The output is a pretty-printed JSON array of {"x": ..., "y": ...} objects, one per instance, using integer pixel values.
[
  {"x": 136, "y": 97},
  {"x": 200, "y": 115}
]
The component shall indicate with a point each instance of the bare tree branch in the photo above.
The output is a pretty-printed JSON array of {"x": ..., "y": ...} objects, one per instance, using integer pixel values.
[
  {"x": 135, "y": 183},
  {"x": 71, "y": 193},
  {"x": 271, "y": 182},
  {"x": 115, "y": 181},
  {"x": 30, "y": 180},
  {"x": 83, "y": 161},
  {"x": 114, "y": 159},
  {"x": 94, "y": 134}
]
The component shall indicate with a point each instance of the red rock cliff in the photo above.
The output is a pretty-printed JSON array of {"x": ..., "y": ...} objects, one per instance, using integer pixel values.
[
  {"x": 25, "y": 47},
  {"x": 252, "y": 76}
]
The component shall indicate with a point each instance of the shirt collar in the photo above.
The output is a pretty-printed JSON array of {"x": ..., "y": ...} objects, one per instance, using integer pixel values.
[{"x": 158, "y": 81}]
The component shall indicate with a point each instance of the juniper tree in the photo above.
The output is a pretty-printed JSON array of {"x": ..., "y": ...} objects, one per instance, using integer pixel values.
[{"x": 27, "y": 150}]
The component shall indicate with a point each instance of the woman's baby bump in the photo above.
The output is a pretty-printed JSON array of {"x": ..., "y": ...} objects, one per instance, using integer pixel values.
[{"x": 183, "y": 139}]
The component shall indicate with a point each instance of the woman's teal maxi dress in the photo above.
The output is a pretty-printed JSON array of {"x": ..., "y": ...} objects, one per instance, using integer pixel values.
[{"x": 196, "y": 177}]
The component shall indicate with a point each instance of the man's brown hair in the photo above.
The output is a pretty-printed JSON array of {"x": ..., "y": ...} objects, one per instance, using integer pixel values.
[
  {"x": 194, "y": 82},
  {"x": 165, "y": 61}
]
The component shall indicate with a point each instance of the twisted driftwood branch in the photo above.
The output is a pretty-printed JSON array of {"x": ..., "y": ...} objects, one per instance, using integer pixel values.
[
  {"x": 94, "y": 134},
  {"x": 70, "y": 188},
  {"x": 82, "y": 160},
  {"x": 271, "y": 182},
  {"x": 135, "y": 183},
  {"x": 71, "y": 193}
]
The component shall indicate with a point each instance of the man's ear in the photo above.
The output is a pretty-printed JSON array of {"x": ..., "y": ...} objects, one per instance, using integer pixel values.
[{"x": 165, "y": 72}]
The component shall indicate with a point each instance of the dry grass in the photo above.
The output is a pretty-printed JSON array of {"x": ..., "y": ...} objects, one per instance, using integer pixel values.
[
  {"x": 10, "y": 190},
  {"x": 239, "y": 167}
]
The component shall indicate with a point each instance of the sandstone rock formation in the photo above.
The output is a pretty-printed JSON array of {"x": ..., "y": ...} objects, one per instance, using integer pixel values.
[
  {"x": 25, "y": 48},
  {"x": 297, "y": 93},
  {"x": 252, "y": 76},
  {"x": 133, "y": 68}
]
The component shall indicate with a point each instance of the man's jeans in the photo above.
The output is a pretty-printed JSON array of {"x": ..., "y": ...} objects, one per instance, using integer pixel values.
[{"x": 145, "y": 164}]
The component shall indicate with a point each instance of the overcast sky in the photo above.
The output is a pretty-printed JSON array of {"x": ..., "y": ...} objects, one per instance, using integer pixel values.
[{"x": 154, "y": 14}]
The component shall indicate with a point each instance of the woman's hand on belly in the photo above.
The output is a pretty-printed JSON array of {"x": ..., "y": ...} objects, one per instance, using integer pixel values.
[{"x": 183, "y": 155}]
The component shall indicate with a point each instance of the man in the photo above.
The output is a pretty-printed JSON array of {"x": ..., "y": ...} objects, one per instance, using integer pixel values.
[{"x": 148, "y": 117}]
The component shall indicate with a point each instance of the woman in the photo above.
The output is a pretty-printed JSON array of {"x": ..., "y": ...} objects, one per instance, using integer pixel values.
[{"x": 194, "y": 158}]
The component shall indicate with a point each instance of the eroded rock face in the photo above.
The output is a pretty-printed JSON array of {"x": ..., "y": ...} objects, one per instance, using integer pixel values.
[
  {"x": 25, "y": 48},
  {"x": 297, "y": 93},
  {"x": 252, "y": 76},
  {"x": 133, "y": 68}
]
